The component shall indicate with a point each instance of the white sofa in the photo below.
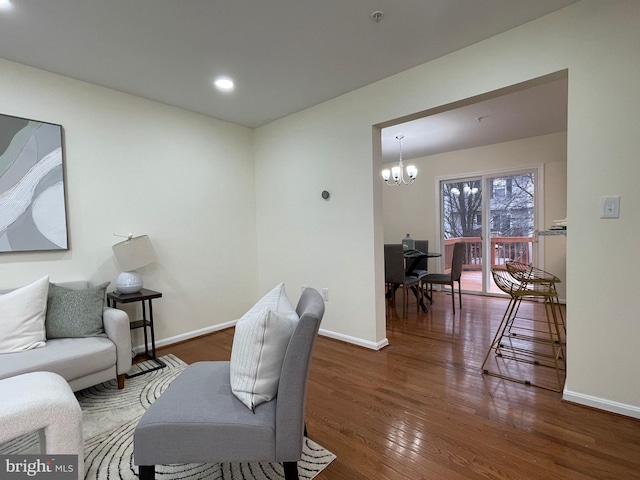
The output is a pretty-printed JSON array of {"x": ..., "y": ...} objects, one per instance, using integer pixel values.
[{"x": 83, "y": 362}]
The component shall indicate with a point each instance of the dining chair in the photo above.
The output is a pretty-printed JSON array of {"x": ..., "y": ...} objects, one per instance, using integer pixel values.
[
  {"x": 396, "y": 277},
  {"x": 450, "y": 278},
  {"x": 420, "y": 268}
]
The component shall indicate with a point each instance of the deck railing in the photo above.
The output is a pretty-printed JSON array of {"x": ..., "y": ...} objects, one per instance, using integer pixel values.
[{"x": 502, "y": 249}]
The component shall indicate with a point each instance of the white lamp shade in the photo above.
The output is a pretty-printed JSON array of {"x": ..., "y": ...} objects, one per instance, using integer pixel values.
[
  {"x": 133, "y": 253},
  {"x": 136, "y": 252}
]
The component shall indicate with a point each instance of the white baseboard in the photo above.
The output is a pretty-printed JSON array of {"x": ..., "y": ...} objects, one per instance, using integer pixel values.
[
  {"x": 601, "y": 404},
  {"x": 203, "y": 331},
  {"x": 354, "y": 340},
  {"x": 186, "y": 336}
]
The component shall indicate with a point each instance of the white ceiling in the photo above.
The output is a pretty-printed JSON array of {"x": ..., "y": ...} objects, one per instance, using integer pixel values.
[
  {"x": 528, "y": 112},
  {"x": 285, "y": 55}
]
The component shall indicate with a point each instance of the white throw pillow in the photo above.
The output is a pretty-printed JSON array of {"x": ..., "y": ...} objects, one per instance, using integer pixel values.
[
  {"x": 260, "y": 342},
  {"x": 22, "y": 314}
]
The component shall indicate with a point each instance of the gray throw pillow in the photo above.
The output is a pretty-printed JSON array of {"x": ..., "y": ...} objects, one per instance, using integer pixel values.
[{"x": 75, "y": 313}]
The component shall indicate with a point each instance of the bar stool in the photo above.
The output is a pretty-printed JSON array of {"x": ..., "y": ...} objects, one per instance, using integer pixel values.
[
  {"x": 529, "y": 274},
  {"x": 527, "y": 340}
]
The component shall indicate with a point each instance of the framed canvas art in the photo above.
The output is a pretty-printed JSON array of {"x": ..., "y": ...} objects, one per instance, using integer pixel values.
[{"x": 32, "y": 200}]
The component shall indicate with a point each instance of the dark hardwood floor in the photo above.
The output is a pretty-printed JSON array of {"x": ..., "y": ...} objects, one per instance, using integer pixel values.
[{"x": 421, "y": 409}]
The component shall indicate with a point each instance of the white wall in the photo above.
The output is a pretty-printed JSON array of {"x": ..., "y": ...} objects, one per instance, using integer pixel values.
[
  {"x": 305, "y": 240},
  {"x": 413, "y": 209},
  {"x": 338, "y": 244},
  {"x": 137, "y": 166}
]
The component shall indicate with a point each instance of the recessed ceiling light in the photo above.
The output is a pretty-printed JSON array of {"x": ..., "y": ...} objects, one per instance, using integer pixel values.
[
  {"x": 6, "y": 5},
  {"x": 224, "y": 84}
]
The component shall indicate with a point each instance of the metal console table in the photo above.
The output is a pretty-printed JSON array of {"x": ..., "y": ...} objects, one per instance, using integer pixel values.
[{"x": 144, "y": 295}]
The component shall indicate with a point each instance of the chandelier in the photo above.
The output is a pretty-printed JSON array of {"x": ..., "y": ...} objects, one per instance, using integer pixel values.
[{"x": 397, "y": 173}]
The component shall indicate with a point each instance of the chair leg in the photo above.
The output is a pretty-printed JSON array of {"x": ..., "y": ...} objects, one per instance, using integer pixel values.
[
  {"x": 147, "y": 472},
  {"x": 290, "y": 470},
  {"x": 405, "y": 301},
  {"x": 453, "y": 296},
  {"x": 460, "y": 295}
]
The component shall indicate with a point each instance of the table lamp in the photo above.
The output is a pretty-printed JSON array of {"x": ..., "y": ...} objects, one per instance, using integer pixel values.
[{"x": 133, "y": 253}]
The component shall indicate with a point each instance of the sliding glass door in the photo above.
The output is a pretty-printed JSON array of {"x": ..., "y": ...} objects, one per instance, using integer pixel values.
[
  {"x": 495, "y": 215},
  {"x": 462, "y": 220},
  {"x": 511, "y": 220}
]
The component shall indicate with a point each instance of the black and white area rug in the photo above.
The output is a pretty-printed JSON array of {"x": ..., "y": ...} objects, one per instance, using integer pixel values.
[{"x": 110, "y": 416}]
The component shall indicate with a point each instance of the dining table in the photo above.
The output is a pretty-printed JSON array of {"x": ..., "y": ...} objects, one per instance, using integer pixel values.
[{"x": 412, "y": 257}]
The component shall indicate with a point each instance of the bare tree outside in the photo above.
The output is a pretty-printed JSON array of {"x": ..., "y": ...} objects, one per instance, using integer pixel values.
[
  {"x": 511, "y": 201},
  {"x": 462, "y": 209},
  {"x": 511, "y": 204}
]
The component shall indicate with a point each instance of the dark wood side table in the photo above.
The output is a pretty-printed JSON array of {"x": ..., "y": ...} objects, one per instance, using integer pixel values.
[{"x": 144, "y": 295}]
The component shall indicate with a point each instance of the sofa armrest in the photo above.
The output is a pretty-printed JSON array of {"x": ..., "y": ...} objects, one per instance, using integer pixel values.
[{"x": 116, "y": 326}]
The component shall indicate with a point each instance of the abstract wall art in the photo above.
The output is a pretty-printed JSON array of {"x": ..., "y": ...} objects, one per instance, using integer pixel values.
[{"x": 32, "y": 199}]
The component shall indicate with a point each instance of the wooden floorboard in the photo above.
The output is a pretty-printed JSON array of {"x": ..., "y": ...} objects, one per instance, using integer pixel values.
[{"x": 421, "y": 408}]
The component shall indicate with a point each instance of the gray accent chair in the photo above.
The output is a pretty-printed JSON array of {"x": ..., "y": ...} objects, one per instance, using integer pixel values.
[{"x": 199, "y": 420}]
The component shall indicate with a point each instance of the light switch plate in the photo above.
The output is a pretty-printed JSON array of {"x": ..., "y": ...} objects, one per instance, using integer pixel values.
[{"x": 610, "y": 206}]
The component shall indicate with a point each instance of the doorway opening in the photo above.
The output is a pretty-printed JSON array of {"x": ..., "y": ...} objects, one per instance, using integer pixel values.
[{"x": 461, "y": 142}]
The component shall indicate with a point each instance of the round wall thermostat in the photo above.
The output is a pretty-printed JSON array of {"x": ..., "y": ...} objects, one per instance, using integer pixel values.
[{"x": 325, "y": 195}]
